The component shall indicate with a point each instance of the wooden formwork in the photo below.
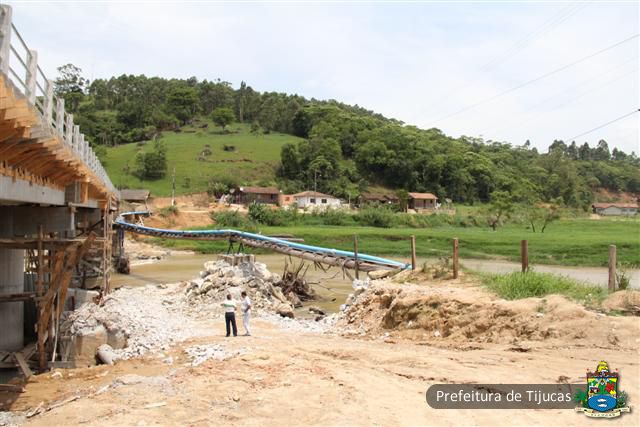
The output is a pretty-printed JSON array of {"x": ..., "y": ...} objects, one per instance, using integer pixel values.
[{"x": 32, "y": 150}]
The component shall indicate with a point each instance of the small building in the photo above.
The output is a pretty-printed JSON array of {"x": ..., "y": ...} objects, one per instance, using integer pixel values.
[
  {"x": 422, "y": 201},
  {"x": 615, "y": 208},
  {"x": 311, "y": 199},
  {"x": 263, "y": 195},
  {"x": 378, "y": 198},
  {"x": 134, "y": 196}
]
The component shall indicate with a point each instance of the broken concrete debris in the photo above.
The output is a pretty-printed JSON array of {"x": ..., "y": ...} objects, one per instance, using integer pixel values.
[
  {"x": 133, "y": 321},
  {"x": 220, "y": 278}
]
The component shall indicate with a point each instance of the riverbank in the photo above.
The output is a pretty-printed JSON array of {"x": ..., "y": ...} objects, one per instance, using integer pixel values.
[
  {"x": 570, "y": 242},
  {"x": 371, "y": 365},
  {"x": 332, "y": 286}
]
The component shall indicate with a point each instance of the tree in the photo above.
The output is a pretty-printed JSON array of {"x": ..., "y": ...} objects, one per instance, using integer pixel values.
[
  {"x": 501, "y": 206},
  {"x": 543, "y": 214},
  {"x": 223, "y": 116},
  {"x": 70, "y": 85},
  {"x": 403, "y": 199},
  {"x": 602, "y": 151},
  {"x": 182, "y": 102},
  {"x": 153, "y": 164}
]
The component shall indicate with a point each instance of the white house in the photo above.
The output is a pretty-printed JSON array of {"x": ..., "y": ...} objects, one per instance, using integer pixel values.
[
  {"x": 615, "y": 208},
  {"x": 313, "y": 199}
]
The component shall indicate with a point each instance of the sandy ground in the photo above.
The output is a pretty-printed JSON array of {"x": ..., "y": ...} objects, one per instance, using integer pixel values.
[{"x": 288, "y": 377}]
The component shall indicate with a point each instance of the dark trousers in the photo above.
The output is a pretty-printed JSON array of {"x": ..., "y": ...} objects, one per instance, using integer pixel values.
[{"x": 230, "y": 320}]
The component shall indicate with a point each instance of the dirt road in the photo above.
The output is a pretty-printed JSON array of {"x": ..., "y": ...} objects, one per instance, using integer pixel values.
[{"x": 292, "y": 378}]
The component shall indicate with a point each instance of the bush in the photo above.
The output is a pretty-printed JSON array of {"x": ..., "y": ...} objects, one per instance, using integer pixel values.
[
  {"x": 263, "y": 214},
  {"x": 375, "y": 217},
  {"x": 333, "y": 217},
  {"x": 233, "y": 219},
  {"x": 217, "y": 189},
  {"x": 168, "y": 211},
  {"x": 152, "y": 165},
  {"x": 531, "y": 284}
]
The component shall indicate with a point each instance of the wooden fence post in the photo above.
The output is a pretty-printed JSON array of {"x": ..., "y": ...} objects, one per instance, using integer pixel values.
[
  {"x": 413, "y": 253},
  {"x": 455, "y": 258},
  {"x": 524, "y": 255},
  {"x": 612, "y": 268},
  {"x": 355, "y": 252}
]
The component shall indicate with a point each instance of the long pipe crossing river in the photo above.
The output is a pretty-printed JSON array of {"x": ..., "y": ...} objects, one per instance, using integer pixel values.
[{"x": 334, "y": 257}]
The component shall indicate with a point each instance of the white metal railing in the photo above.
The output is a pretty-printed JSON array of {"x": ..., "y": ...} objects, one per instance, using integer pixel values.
[{"x": 20, "y": 65}]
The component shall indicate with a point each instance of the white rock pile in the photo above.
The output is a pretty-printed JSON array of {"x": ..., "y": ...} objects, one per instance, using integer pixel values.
[
  {"x": 219, "y": 279},
  {"x": 133, "y": 321}
]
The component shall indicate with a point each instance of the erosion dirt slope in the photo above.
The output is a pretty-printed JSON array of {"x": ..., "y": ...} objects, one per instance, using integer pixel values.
[
  {"x": 461, "y": 314},
  {"x": 373, "y": 367}
]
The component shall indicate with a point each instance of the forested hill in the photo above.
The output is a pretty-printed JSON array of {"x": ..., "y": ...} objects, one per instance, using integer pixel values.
[{"x": 345, "y": 148}]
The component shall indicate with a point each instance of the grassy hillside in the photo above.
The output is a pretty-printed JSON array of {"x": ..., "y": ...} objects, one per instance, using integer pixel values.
[{"x": 254, "y": 160}]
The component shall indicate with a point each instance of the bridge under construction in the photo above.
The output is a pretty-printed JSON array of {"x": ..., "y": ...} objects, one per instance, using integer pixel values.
[
  {"x": 59, "y": 234},
  {"x": 57, "y": 205}
]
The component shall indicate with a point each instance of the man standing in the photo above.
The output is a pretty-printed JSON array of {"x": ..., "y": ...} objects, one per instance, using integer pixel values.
[
  {"x": 246, "y": 312},
  {"x": 230, "y": 315}
]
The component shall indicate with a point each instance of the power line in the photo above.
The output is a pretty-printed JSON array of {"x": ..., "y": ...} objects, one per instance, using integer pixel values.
[
  {"x": 521, "y": 44},
  {"x": 537, "y": 79},
  {"x": 518, "y": 46},
  {"x": 527, "y": 117},
  {"x": 601, "y": 126}
]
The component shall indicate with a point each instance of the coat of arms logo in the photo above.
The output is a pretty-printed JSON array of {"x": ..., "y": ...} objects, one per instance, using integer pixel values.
[{"x": 602, "y": 399}]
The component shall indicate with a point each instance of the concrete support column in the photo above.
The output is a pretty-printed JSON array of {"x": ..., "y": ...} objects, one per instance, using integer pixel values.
[
  {"x": 11, "y": 281},
  {"x": 11, "y": 313}
]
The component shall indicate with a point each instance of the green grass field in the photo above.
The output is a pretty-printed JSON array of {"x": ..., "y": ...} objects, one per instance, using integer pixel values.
[
  {"x": 531, "y": 284},
  {"x": 566, "y": 242},
  {"x": 255, "y": 159}
]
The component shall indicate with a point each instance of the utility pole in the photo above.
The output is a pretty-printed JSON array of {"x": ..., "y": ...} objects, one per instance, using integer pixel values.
[
  {"x": 173, "y": 189},
  {"x": 315, "y": 181}
]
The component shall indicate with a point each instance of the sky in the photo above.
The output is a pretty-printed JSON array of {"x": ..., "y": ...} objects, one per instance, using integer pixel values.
[{"x": 457, "y": 66}]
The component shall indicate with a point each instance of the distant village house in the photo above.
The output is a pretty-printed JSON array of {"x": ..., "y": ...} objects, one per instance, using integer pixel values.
[
  {"x": 615, "y": 208},
  {"x": 134, "y": 196},
  {"x": 262, "y": 195},
  {"x": 311, "y": 199},
  {"x": 422, "y": 201}
]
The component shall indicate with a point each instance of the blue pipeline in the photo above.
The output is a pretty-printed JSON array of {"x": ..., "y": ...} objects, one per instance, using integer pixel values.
[{"x": 236, "y": 233}]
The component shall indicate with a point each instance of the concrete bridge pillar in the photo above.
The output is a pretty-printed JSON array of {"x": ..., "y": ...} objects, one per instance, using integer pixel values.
[
  {"x": 11, "y": 313},
  {"x": 11, "y": 282}
]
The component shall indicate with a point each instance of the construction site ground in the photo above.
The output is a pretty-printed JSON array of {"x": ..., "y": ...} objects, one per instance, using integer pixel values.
[{"x": 372, "y": 367}]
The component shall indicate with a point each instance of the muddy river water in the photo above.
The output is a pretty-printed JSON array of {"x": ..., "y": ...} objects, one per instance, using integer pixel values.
[{"x": 332, "y": 287}]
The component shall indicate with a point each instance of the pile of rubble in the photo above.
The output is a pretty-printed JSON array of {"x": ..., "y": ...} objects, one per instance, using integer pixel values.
[
  {"x": 220, "y": 278},
  {"x": 131, "y": 321}
]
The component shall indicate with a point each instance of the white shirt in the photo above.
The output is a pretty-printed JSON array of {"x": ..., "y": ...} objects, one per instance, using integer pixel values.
[{"x": 246, "y": 304}]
